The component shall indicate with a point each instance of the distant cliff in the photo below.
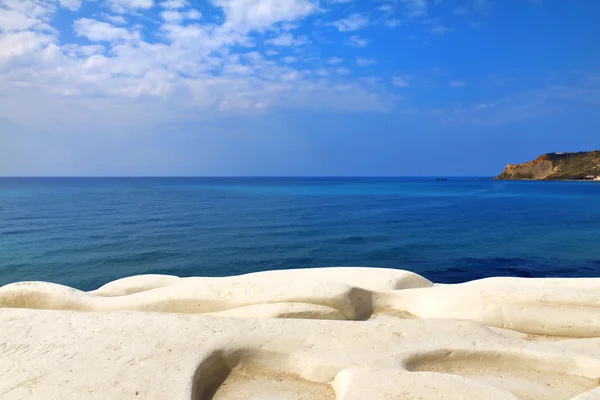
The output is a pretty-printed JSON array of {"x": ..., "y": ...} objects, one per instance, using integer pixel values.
[{"x": 557, "y": 166}]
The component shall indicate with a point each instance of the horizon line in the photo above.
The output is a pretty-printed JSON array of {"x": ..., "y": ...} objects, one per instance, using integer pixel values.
[{"x": 236, "y": 176}]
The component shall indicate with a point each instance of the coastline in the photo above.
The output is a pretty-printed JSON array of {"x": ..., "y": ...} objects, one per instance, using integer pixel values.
[
  {"x": 302, "y": 334},
  {"x": 548, "y": 180}
]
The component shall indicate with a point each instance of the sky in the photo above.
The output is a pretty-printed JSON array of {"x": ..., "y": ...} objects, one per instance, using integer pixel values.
[{"x": 294, "y": 87}]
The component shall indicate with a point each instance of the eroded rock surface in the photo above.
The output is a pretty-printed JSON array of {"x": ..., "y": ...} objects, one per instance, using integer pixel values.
[{"x": 319, "y": 334}]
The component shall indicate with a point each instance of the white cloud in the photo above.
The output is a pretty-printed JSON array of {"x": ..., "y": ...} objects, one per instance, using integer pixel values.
[
  {"x": 392, "y": 23},
  {"x": 115, "y": 19},
  {"x": 371, "y": 80},
  {"x": 188, "y": 69},
  {"x": 11, "y": 20},
  {"x": 17, "y": 44},
  {"x": 99, "y": 31},
  {"x": 401, "y": 81},
  {"x": 352, "y": 23},
  {"x": 439, "y": 29},
  {"x": 193, "y": 14},
  {"x": 356, "y": 41},
  {"x": 246, "y": 15},
  {"x": 524, "y": 105},
  {"x": 24, "y": 30},
  {"x": 457, "y": 84},
  {"x": 171, "y": 16},
  {"x": 72, "y": 5},
  {"x": 436, "y": 26},
  {"x": 415, "y": 8},
  {"x": 18, "y": 15},
  {"x": 39, "y": 10},
  {"x": 174, "y": 4},
  {"x": 287, "y": 26},
  {"x": 322, "y": 72},
  {"x": 365, "y": 62},
  {"x": 124, "y": 6},
  {"x": 287, "y": 39},
  {"x": 78, "y": 50}
]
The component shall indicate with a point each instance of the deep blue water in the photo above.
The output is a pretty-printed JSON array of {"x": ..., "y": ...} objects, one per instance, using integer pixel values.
[{"x": 85, "y": 232}]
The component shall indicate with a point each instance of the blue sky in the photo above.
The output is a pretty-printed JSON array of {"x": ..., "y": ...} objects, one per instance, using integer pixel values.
[{"x": 294, "y": 87}]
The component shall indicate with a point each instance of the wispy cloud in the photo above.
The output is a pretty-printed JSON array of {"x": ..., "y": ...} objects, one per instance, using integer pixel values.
[
  {"x": 124, "y": 6},
  {"x": 287, "y": 39},
  {"x": 243, "y": 16},
  {"x": 174, "y": 4},
  {"x": 473, "y": 6},
  {"x": 401, "y": 81},
  {"x": 364, "y": 62},
  {"x": 193, "y": 14},
  {"x": 436, "y": 26},
  {"x": 415, "y": 8},
  {"x": 356, "y": 41},
  {"x": 72, "y": 5},
  {"x": 250, "y": 56},
  {"x": 352, "y": 23},
  {"x": 115, "y": 19},
  {"x": 457, "y": 84},
  {"x": 392, "y": 22},
  {"x": 171, "y": 16},
  {"x": 187, "y": 68},
  {"x": 99, "y": 31},
  {"x": 522, "y": 106}
]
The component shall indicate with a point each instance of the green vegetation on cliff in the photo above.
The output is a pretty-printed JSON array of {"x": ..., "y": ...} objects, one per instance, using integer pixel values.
[{"x": 557, "y": 166}]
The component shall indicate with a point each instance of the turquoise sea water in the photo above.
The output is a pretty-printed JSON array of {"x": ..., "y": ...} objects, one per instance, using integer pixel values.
[{"x": 85, "y": 232}]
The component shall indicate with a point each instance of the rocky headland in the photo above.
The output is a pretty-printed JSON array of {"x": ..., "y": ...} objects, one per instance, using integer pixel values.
[{"x": 556, "y": 166}]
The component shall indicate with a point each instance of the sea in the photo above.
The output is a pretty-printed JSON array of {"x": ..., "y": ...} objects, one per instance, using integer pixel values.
[{"x": 85, "y": 232}]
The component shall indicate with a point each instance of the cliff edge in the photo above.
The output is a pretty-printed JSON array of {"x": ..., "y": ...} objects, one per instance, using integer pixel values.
[{"x": 557, "y": 166}]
